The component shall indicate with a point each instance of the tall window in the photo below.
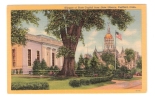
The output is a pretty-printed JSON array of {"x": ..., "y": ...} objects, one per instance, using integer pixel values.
[
  {"x": 53, "y": 59},
  {"x": 13, "y": 58},
  {"x": 38, "y": 56},
  {"x": 29, "y": 57}
]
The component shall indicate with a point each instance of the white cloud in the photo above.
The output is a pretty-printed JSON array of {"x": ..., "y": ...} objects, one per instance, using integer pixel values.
[
  {"x": 122, "y": 42},
  {"x": 32, "y": 30},
  {"x": 125, "y": 44},
  {"x": 99, "y": 48},
  {"x": 137, "y": 46},
  {"x": 90, "y": 38},
  {"x": 83, "y": 50},
  {"x": 90, "y": 43},
  {"x": 43, "y": 32},
  {"x": 92, "y": 35},
  {"x": 130, "y": 32}
]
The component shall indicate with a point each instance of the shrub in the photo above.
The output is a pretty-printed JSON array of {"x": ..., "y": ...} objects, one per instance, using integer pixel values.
[
  {"x": 36, "y": 65},
  {"x": 20, "y": 71},
  {"x": 29, "y": 86},
  {"x": 43, "y": 64},
  {"x": 16, "y": 71},
  {"x": 80, "y": 72},
  {"x": 84, "y": 82},
  {"x": 124, "y": 73},
  {"x": 74, "y": 83},
  {"x": 12, "y": 72}
]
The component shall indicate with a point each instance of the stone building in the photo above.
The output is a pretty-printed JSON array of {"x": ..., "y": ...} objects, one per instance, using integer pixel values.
[
  {"x": 37, "y": 47},
  {"x": 109, "y": 47}
]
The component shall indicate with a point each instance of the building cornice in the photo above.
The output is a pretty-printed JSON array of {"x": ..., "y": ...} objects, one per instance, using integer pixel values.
[{"x": 44, "y": 40}]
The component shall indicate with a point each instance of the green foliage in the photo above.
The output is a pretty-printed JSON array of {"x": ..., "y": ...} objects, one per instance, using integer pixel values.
[
  {"x": 78, "y": 83},
  {"x": 80, "y": 62},
  {"x": 20, "y": 71},
  {"x": 94, "y": 63},
  {"x": 61, "y": 19},
  {"x": 43, "y": 64},
  {"x": 123, "y": 73},
  {"x": 109, "y": 58},
  {"x": 29, "y": 86},
  {"x": 64, "y": 51},
  {"x": 84, "y": 82},
  {"x": 111, "y": 67},
  {"x": 16, "y": 71},
  {"x": 80, "y": 72},
  {"x": 12, "y": 72},
  {"x": 74, "y": 83},
  {"x": 36, "y": 65},
  {"x": 18, "y": 32},
  {"x": 86, "y": 63},
  {"x": 56, "y": 68},
  {"x": 72, "y": 38},
  {"x": 139, "y": 63},
  {"x": 133, "y": 71},
  {"x": 130, "y": 54}
]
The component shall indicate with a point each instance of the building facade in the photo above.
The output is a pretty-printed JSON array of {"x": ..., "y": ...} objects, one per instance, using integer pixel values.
[
  {"x": 37, "y": 47},
  {"x": 109, "y": 47}
]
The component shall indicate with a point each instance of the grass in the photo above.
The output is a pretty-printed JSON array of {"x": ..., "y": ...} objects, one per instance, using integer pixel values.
[
  {"x": 134, "y": 78},
  {"x": 58, "y": 83}
]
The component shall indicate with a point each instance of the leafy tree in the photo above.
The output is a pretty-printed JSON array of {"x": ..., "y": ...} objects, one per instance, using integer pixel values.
[
  {"x": 111, "y": 67},
  {"x": 18, "y": 32},
  {"x": 67, "y": 25},
  {"x": 109, "y": 58},
  {"x": 86, "y": 63},
  {"x": 76, "y": 66},
  {"x": 36, "y": 65},
  {"x": 94, "y": 63},
  {"x": 56, "y": 68},
  {"x": 139, "y": 63},
  {"x": 130, "y": 55},
  {"x": 124, "y": 69},
  {"x": 133, "y": 71},
  {"x": 43, "y": 64},
  {"x": 80, "y": 62}
]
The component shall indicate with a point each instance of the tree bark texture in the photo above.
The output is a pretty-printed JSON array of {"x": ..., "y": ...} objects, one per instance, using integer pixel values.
[{"x": 69, "y": 61}]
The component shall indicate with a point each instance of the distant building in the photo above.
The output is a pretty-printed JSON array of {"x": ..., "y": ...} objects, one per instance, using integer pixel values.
[
  {"x": 109, "y": 47},
  {"x": 88, "y": 56},
  {"x": 37, "y": 47}
]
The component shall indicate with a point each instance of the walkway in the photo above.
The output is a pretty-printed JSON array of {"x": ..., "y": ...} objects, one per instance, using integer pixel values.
[{"x": 123, "y": 85}]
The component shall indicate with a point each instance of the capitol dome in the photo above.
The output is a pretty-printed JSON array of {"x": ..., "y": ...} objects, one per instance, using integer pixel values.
[{"x": 108, "y": 36}]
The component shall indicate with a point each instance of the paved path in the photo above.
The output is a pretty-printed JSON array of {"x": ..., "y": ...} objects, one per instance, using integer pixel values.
[{"x": 136, "y": 84}]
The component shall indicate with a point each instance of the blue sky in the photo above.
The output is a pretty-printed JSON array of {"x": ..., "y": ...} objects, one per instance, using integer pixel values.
[{"x": 131, "y": 37}]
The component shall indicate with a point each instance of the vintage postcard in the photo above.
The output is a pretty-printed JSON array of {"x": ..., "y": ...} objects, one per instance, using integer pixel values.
[{"x": 76, "y": 48}]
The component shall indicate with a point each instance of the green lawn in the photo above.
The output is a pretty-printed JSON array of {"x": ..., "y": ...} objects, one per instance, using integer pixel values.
[{"x": 56, "y": 83}]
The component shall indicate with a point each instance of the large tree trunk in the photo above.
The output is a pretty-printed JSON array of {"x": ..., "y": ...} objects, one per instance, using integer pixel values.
[
  {"x": 68, "y": 67},
  {"x": 69, "y": 61}
]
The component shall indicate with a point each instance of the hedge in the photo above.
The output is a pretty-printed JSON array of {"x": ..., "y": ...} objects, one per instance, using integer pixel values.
[
  {"x": 43, "y": 72},
  {"x": 29, "y": 86},
  {"x": 78, "y": 83}
]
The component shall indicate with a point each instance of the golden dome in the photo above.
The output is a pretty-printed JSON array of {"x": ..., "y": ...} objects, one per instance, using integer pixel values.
[{"x": 108, "y": 36}]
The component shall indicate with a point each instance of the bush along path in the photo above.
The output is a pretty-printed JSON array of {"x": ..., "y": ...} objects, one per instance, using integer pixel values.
[
  {"x": 29, "y": 86},
  {"x": 78, "y": 83}
]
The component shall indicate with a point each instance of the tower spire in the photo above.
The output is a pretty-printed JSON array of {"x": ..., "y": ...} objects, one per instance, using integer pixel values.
[
  {"x": 95, "y": 48},
  {"x": 122, "y": 49},
  {"x": 108, "y": 28}
]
